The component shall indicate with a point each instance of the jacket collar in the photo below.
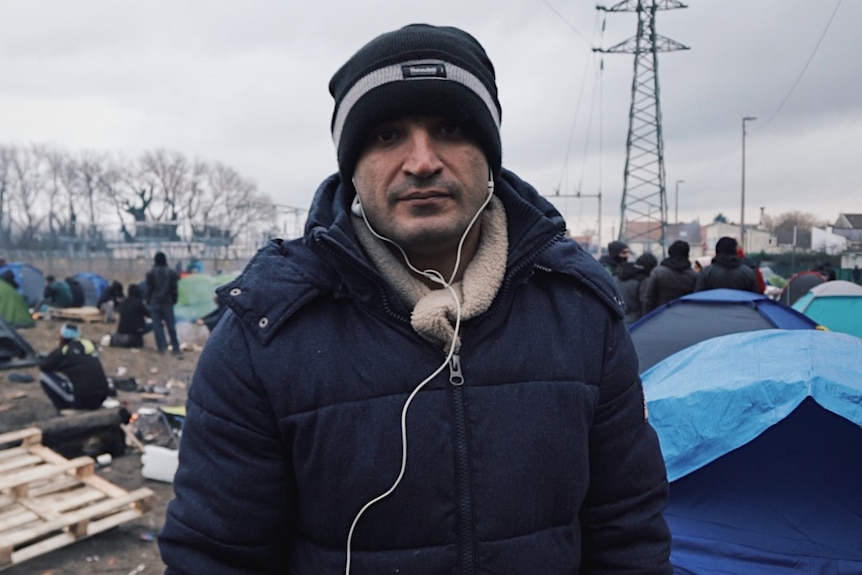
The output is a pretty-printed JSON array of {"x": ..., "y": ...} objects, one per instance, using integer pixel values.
[{"x": 284, "y": 276}]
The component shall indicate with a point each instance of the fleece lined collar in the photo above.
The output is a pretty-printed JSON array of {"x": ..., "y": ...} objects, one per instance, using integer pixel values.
[{"x": 434, "y": 311}]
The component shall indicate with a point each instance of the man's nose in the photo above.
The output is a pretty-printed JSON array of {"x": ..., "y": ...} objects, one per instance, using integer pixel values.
[{"x": 423, "y": 157}]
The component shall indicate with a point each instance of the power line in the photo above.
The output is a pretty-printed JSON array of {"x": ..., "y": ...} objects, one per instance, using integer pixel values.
[{"x": 805, "y": 67}]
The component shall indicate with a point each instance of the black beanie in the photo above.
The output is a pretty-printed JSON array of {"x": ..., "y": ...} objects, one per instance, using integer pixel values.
[
  {"x": 615, "y": 247},
  {"x": 418, "y": 69},
  {"x": 679, "y": 249},
  {"x": 648, "y": 261},
  {"x": 726, "y": 245}
]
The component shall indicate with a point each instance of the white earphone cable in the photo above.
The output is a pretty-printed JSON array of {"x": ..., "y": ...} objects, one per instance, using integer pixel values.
[{"x": 436, "y": 277}]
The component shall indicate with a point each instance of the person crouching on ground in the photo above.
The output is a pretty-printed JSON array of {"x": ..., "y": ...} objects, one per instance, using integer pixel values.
[
  {"x": 72, "y": 375},
  {"x": 134, "y": 320}
]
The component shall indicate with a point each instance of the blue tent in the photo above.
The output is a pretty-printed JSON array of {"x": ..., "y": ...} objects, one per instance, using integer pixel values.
[
  {"x": 31, "y": 281},
  {"x": 93, "y": 286},
  {"x": 836, "y": 304},
  {"x": 702, "y": 315},
  {"x": 761, "y": 434}
]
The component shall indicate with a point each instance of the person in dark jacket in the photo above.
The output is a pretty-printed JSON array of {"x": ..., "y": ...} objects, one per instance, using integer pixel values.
[
  {"x": 162, "y": 293},
  {"x": 72, "y": 375},
  {"x": 618, "y": 253},
  {"x": 133, "y": 324},
  {"x": 726, "y": 270},
  {"x": 673, "y": 279},
  {"x": 109, "y": 300},
  {"x": 57, "y": 293},
  {"x": 435, "y": 378},
  {"x": 631, "y": 278}
]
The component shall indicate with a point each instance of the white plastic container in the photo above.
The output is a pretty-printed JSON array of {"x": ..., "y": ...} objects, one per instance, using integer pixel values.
[{"x": 159, "y": 463}]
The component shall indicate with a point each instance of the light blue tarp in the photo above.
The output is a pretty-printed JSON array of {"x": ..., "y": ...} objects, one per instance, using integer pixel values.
[
  {"x": 719, "y": 394},
  {"x": 762, "y": 435}
]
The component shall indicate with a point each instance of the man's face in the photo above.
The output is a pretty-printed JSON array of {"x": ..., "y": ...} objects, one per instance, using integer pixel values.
[
  {"x": 421, "y": 180},
  {"x": 624, "y": 254}
]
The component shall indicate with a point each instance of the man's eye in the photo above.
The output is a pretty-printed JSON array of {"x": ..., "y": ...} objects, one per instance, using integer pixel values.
[
  {"x": 385, "y": 136},
  {"x": 450, "y": 128}
]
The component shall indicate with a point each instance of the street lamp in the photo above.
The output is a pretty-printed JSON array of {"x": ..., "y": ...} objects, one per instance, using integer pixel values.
[
  {"x": 742, "y": 209},
  {"x": 676, "y": 202}
]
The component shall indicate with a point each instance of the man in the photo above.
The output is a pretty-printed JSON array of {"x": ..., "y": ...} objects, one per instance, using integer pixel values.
[
  {"x": 161, "y": 297},
  {"x": 350, "y": 415},
  {"x": 631, "y": 278},
  {"x": 672, "y": 279},
  {"x": 57, "y": 293},
  {"x": 72, "y": 375},
  {"x": 727, "y": 270},
  {"x": 618, "y": 253}
]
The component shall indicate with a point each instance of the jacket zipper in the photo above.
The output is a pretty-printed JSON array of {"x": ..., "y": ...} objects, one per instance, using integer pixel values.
[{"x": 466, "y": 543}]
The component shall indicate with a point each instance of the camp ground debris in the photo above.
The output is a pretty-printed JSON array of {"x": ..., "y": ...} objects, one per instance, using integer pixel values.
[{"x": 48, "y": 501}]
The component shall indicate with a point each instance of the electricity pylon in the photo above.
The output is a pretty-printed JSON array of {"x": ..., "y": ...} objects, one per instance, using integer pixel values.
[{"x": 643, "y": 210}]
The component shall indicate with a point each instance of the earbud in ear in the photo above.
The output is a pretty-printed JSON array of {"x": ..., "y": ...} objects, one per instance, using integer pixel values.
[{"x": 356, "y": 207}]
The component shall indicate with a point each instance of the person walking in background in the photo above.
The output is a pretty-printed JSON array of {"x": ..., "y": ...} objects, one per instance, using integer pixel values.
[
  {"x": 857, "y": 276},
  {"x": 435, "y": 379},
  {"x": 726, "y": 270},
  {"x": 162, "y": 293},
  {"x": 133, "y": 323},
  {"x": 672, "y": 279},
  {"x": 618, "y": 252},
  {"x": 631, "y": 278},
  {"x": 72, "y": 375}
]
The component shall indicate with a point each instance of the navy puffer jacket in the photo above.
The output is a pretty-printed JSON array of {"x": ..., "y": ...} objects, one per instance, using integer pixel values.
[{"x": 540, "y": 462}]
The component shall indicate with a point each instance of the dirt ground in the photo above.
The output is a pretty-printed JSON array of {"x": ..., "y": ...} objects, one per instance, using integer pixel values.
[{"x": 131, "y": 548}]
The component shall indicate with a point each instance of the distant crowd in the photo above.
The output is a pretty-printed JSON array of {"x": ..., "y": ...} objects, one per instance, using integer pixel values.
[{"x": 646, "y": 283}]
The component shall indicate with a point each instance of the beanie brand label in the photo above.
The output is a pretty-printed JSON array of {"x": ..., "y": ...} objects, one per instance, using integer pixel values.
[{"x": 423, "y": 71}]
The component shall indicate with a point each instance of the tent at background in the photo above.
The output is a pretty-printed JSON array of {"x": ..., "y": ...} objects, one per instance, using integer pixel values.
[
  {"x": 836, "y": 304},
  {"x": 196, "y": 296},
  {"x": 761, "y": 434},
  {"x": 15, "y": 351},
  {"x": 93, "y": 285},
  {"x": 31, "y": 281},
  {"x": 798, "y": 285},
  {"x": 13, "y": 307},
  {"x": 702, "y": 315}
]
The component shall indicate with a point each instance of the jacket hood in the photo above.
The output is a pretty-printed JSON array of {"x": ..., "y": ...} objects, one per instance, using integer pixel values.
[
  {"x": 327, "y": 261},
  {"x": 676, "y": 263}
]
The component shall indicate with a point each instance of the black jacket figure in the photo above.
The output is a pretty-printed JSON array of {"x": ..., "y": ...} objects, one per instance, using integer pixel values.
[
  {"x": 673, "y": 279},
  {"x": 133, "y": 320},
  {"x": 72, "y": 375},
  {"x": 727, "y": 270},
  {"x": 618, "y": 253},
  {"x": 162, "y": 295},
  {"x": 631, "y": 278}
]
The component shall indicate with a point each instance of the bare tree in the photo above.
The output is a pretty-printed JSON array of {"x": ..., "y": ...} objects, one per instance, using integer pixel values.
[
  {"x": 28, "y": 184},
  {"x": 60, "y": 187},
  {"x": 787, "y": 220},
  {"x": 5, "y": 182},
  {"x": 169, "y": 174}
]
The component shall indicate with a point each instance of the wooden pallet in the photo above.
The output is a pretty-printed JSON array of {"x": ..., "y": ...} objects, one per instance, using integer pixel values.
[
  {"x": 86, "y": 314},
  {"x": 48, "y": 501}
]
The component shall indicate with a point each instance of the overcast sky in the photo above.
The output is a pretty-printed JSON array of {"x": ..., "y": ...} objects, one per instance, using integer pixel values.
[{"x": 245, "y": 84}]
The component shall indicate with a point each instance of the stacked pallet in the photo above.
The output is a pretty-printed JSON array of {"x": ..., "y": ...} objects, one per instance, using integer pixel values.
[
  {"x": 48, "y": 501},
  {"x": 86, "y": 314}
]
